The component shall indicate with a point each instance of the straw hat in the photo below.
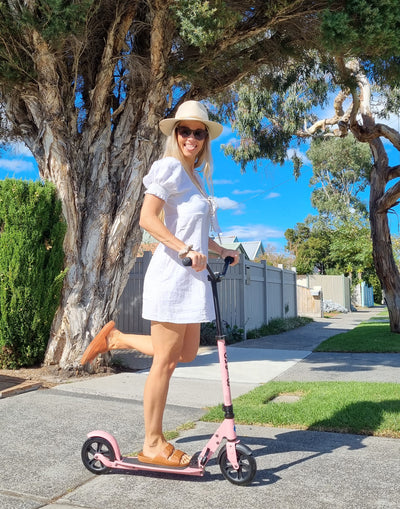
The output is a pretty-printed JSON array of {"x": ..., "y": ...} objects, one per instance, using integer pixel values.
[{"x": 191, "y": 110}]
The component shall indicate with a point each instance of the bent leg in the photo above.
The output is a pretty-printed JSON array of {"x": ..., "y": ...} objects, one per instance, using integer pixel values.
[
  {"x": 117, "y": 340},
  {"x": 191, "y": 343}
]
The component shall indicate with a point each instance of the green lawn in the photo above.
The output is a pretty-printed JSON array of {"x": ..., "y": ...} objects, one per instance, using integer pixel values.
[
  {"x": 345, "y": 407},
  {"x": 367, "y": 337}
]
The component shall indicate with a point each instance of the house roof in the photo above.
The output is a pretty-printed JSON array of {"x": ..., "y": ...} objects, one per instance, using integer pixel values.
[
  {"x": 147, "y": 238},
  {"x": 253, "y": 248},
  {"x": 226, "y": 239},
  {"x": 235, "y": 246}
]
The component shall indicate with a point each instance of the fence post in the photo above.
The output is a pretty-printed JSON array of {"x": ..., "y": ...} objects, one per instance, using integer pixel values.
[
  {"x": 243, "y": 295},
  {"x": 147, "y": 255},
  {"x": 295, "y": 291},
  {"x": 265, "y": 276}
]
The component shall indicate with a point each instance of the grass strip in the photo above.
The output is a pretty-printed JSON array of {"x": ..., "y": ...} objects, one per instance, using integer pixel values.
[
  {"x": 368, "y": 337},
  {"x": 343, "y": 407}
]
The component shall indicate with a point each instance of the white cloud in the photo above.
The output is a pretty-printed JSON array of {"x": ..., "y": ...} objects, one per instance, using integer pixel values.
[
  {"x": 16, "y": 148},
  {"x": 226, "y": 131},
  {"x": 235, "y": 142},
  {"x": 294, "y": 151},
  {"x": 248, "y": 191},
  {"x": 254, "y": 232},
  {"x": 20, "y": 149},
  {"x": 226, "y": 203},
  {"x": 224, "y": 182},
  {"x": 272, "y": 195},
  {"x": 17, "y": 166}
]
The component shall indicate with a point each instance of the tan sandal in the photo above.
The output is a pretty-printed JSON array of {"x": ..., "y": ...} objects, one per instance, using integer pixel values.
[
  {"x": 170, "y": 457},
  {"x": 98, "y": 345}
]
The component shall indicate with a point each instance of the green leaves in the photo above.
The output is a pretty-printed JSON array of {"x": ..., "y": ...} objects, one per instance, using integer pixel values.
[
  {"x": 54, "y": 18},
  {"x": 55, "y": 21},
  {"x": 272, "y": 107},
  {"x": 341, "y": 169},
  {"x": 31, "y": 275},
  {"x": 202, "y": 23},
  {"x": 336, "y": 247},
  {"x": 369, "y": 27}
]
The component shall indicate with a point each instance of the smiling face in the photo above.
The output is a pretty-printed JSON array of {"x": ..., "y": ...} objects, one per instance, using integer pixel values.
[{"x": 190, "y": 146}]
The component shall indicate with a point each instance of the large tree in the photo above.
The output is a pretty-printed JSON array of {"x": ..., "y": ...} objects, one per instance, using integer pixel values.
[
  {"x": 341, "y": 168},
  {"x": 357, "y": 72},
  {"x": 84, "y": 84},
  {"x": 332, "y": 248}
]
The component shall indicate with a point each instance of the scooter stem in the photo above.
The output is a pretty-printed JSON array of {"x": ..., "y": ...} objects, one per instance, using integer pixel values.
[{"x": 226, "y": 385}]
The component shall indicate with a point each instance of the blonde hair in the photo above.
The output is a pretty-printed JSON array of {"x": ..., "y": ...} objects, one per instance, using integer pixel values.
[{"x": 203, "y": 158}]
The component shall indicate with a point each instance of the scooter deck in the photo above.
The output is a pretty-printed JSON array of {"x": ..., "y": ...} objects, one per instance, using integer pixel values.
[
  {"x": 132, "y": 463},
  {"x": 133, "y": 460}
]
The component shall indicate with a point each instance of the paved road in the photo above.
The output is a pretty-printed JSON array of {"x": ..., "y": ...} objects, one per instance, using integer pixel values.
[{"x": 43, "y": 432}]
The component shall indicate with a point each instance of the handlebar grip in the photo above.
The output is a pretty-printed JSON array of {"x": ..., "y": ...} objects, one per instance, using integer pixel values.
[{"x": 187, "y": 262}]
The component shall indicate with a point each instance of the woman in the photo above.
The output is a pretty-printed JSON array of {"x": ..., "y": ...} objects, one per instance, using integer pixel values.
[{"x": 175, "y": 298}]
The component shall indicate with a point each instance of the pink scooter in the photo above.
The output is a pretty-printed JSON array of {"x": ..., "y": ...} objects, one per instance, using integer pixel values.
[{"x": 100, "y": 452}]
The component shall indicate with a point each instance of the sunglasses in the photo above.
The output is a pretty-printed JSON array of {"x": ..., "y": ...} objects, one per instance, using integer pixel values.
[{"x": 185, "y": 132}]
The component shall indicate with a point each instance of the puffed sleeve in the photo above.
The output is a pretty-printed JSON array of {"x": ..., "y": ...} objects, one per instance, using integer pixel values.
[{"x": 164, "y": 178}]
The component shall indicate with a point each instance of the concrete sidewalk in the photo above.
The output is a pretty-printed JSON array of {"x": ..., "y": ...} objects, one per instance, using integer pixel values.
[{"x": 43, "y": 432}]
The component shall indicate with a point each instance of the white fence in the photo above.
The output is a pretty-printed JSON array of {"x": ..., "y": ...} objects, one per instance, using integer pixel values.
[
  {"x": 250, "y": 295},
  {"x": 334, "y": 288},
  {"x": 363, "y": 295}
]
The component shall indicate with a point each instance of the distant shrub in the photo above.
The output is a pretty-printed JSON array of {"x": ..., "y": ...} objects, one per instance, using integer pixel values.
[
  {"x": 208, "y": 331},
  {"x": 31, "y": 276},
  {"x": 278, "y": 325}
]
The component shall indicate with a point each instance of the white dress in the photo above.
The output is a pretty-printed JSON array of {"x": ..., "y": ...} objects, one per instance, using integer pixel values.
[{"x": 172, "y": 292}]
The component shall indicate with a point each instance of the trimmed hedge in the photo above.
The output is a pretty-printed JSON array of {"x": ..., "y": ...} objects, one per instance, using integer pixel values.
[{"x": 31, "y": 269}]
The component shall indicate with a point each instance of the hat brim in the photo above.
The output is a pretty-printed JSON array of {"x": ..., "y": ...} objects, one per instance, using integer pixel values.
[{"x": 168, "y": 124}]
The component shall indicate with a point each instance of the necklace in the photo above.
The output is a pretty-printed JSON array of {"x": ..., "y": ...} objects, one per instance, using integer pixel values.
[{"x": 211, "y": 203}]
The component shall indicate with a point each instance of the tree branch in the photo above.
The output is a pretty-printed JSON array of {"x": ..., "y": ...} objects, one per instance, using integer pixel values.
[
  {"x": 389, "y": 199},
  {"x": 47, "y": 76},
  {"x": 112, "y": 47},
  {"x": 394, "y": 172}
]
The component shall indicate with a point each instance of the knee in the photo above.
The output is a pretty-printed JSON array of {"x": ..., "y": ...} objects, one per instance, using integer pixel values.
[
  {"x": 188, "y": 357},
  {"x": 164, "y": 367}
]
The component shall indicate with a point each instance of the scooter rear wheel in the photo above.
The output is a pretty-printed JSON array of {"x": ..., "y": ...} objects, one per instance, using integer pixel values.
[
  {"x": 247, "y": 466},
  {"x": 96, "y": 445}
]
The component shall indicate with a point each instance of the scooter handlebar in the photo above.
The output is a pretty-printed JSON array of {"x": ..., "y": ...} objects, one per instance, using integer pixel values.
[{"x": 187, "y": 262}]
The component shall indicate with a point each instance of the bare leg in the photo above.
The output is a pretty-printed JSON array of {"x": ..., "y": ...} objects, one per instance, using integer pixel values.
[
  {"x": 171, "y": 342},
  {"x": 117, "y": 340},
  {"x": 190, "y": 343}
]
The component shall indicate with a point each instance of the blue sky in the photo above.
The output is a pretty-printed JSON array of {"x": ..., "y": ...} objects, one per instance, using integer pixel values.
[
  {"x": 253, "y": 206},
  {"x": 262, "y": 204}
]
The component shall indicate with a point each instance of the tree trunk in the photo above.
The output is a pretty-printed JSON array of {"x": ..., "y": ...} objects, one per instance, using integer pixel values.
[
  {"x": 101, "y": 251},
  {"x": 99, "y": 180},
  {"x": 385, "y": 265},
  {"x": 97, "y": 164},
  {"x": 381, "y": 200}
]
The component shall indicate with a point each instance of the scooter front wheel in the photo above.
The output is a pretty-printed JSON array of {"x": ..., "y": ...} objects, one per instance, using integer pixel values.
[
  {"x": 247, "y": 466},
  {"x": 93, "y": 446}
]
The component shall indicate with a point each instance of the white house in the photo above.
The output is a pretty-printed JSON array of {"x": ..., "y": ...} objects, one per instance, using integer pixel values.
[{"x": 251, "y": 249}]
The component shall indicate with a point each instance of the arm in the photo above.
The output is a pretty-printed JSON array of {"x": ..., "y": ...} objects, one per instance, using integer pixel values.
[
  {"x": 151, "y": 222},
  {"x": 222, "y": 252}
]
